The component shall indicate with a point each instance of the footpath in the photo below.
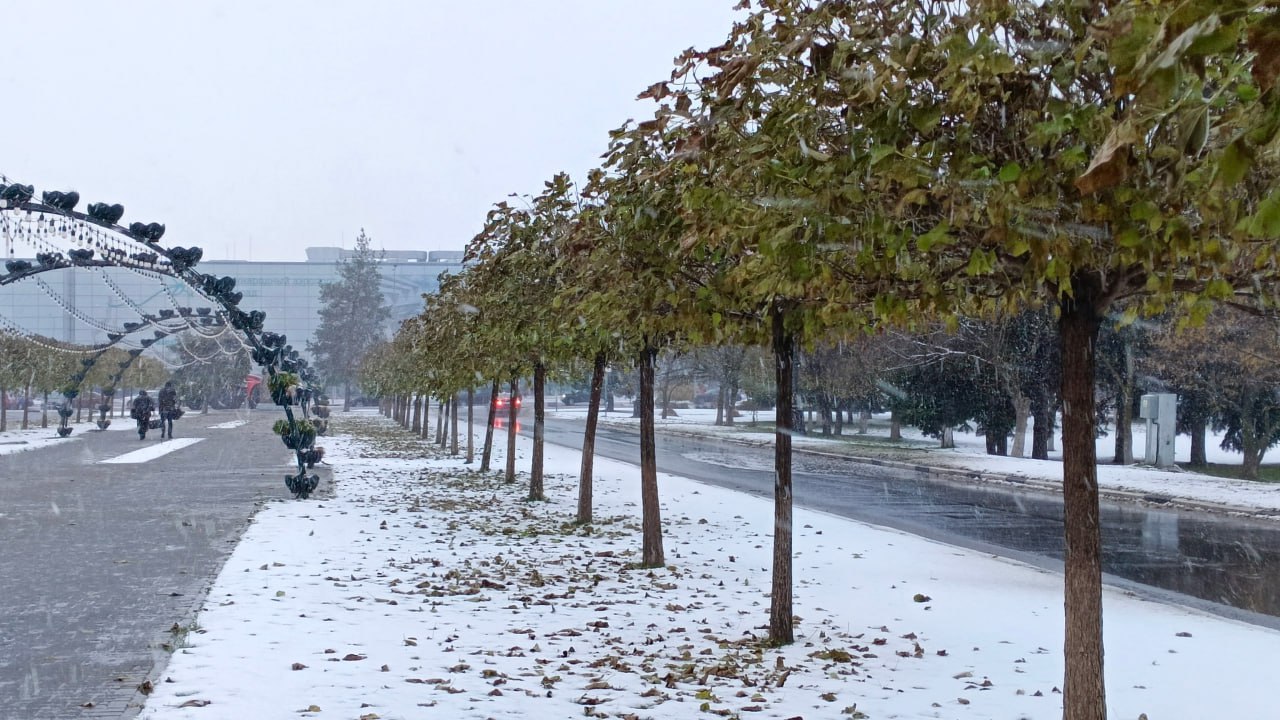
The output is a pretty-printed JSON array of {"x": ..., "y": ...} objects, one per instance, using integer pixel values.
[{"x": 417, "y": 587}]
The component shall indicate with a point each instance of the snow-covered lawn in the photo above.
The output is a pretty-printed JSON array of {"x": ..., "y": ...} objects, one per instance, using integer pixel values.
[
  {"x": 15, "y": 439},
  {"x": 421, "y": 589}
]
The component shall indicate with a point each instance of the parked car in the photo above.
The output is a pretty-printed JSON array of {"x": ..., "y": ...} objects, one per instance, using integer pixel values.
[
  {"x": 575, "y": 396},
  {"x": 706, "y": 399}
]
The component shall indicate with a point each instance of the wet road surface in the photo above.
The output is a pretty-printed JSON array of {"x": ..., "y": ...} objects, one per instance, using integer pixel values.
[
  {"x": 1226, "y": 565},
  {"x": 98, "y": 561}
]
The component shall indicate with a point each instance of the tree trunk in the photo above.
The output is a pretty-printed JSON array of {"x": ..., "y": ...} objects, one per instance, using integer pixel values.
[
  {"x": 731, "y": 404},
  {"x": 487, "y": 453},
  {"x": 667, "y": 410},
  {"x": 1021, "y": 412},
  {"x": 1249, "y": 442},
  {"x": 1042, "y": 411},
  {"x": 895, "y": 425},
  {"x": 585, "y": 475},
  {"x": 536, "y": 490},
  {"x": 1124, "y": 412},
  {"x": 781, "y": 617},
  {"x": 4, "y": 409},
  {"x": 838, "y": 425},
  {"x": 1084, "y": 695},
  {"x": 471, "y": 426},
  {"x": 44, "y": 411},
  {"x": 26, "y": 406},
  {"x": 1199, "y": 428},
  {"x": 424, "y": 432},
  {"x": 1252, "y": 462},
  {"x": 417, "y": 413},
  {"x": 346, "y": 395},
  {"x": 948, "y": 439},
  {"x": 442, "y": 414},
  {"x": 864, "y": 420},
  {"x": 651, "y": 554},
  {"x": 720, "y": 406},
  {"x": 453, "y": 424},
  {"x": 824, "y": 414},
  {"x": 512, "y": 412}
]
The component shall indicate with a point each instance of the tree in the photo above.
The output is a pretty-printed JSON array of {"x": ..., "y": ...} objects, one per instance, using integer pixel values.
[
  {"x": 943, "y": 384},
  {"x": 352, "y": 317},
  {"x": 211, "y": 371},
  {"x": 976, "y": 158},
  {"x": 1230, "y": 362},
  {"x": 1079, "y": 153}
]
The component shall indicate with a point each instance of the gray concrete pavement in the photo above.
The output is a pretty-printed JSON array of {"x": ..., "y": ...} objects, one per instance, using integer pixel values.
[{"x": 99, "y": 561}]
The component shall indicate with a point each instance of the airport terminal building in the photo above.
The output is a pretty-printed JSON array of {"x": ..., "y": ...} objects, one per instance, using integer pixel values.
[{"x": 103, "y": 299}]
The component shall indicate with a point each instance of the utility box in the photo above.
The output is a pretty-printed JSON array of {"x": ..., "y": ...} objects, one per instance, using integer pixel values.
[{"x": 1160, "y": 410}]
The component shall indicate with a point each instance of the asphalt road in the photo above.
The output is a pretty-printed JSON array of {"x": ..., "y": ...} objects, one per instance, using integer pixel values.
[
  {"x": 99, "y": 561},
  {"x": 1222, "y": 564}
]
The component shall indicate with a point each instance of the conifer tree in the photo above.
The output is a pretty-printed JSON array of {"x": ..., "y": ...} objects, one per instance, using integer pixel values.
[{"x": 353, "y": 314}]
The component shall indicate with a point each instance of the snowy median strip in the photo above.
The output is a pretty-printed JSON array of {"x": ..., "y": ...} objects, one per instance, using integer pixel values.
[
  {"x": 228, "y": 425},
  {"x": 152, "y": 452},
  {"x": 422, "y": 585}
]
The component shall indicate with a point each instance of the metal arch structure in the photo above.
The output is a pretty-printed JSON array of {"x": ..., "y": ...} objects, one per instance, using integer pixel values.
[
  {"x": 114, "y": 339},
  {"x": 101, "y": 242}
]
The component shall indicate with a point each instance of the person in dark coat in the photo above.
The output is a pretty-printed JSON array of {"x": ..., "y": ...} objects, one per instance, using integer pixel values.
[
  {"x": 141, "y": 410},
  {"x": 168, "y": 408}
]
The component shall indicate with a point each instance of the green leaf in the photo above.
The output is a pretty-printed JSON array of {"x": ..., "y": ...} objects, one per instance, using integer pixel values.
[
  {"x": 880, "y": 152},
  {"x": 1129, "y": 238},
  {"x": 1234, "y": 163},
  {"x": 1174, "y": 50},
  {"x": 926, "y": 118},
  {"x": 979, "y": 263},
  {"x": 1143, "y": 210},
  {"x": 1010, "y": 173},
  {"x": 1218, "y": 289},
  {"x": 934, "y": 236},
  {"x": 1266, "y": 222}
]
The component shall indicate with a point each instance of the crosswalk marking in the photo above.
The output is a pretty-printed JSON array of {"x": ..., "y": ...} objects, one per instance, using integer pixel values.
[{"x": 151, "y": 452}]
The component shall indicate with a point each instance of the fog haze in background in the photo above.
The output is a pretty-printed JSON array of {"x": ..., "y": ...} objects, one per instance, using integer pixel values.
[{"x": 255, "y": 130}]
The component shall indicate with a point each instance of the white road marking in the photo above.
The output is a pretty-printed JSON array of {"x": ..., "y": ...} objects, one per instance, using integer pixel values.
[{"x": 151, "y": 452}]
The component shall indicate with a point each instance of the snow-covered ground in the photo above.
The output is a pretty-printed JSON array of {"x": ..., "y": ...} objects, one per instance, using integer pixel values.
[
  {"x": 16, "y": 439},
  {"x": 422, "y": 589}
]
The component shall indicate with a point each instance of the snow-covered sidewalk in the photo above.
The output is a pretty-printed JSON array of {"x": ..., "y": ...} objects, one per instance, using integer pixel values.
[{"x": 421, "y": 589}]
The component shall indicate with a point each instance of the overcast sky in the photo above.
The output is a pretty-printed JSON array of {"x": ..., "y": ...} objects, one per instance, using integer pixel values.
[{"x": 255, "y": 129}]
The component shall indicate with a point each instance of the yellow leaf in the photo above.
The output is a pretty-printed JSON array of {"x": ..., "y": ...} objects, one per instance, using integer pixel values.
[{"x": 1110, "y": 165}]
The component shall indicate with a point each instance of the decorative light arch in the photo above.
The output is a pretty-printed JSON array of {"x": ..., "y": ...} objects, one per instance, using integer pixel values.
[{"x": 64, "y": 238}]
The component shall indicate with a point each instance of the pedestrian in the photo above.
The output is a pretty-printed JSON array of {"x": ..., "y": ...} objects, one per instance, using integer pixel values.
[
  {"x": 168, "y": 409},
  {"x": 141, "y": 410}
]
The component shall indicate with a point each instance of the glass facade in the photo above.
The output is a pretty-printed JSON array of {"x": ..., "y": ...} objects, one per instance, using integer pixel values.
[{"x": 82, "y": 305}]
